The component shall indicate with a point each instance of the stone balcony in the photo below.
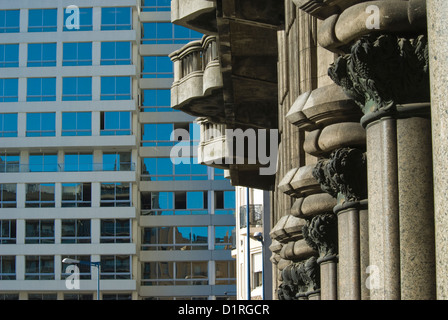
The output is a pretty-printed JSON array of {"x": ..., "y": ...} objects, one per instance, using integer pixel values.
[
  {"x": 197, "y": 86},
  {"x": 220, "y": 147},
  {"x": 198, "y": 15}
]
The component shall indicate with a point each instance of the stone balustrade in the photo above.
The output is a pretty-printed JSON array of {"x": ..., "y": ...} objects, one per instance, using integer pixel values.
[{"x": 197, "y": 86}]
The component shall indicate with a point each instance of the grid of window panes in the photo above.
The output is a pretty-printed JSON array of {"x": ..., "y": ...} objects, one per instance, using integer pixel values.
[
  {"x": 170, "y": 134},
  {"x": 157, "y": 100},
  {"x": 47, "y": 54},
  {"x": 167, "y": 169},
  {"x": 175, "y": 273},
  {"x": 163, "y": 203},
  {"x": 156, "y": 5},
  {"x": 186, "y": 202},
  {"x": 72, "y": 162},
  {"x": 175, "y": 238},
  {"x": 167, "y": 33}
]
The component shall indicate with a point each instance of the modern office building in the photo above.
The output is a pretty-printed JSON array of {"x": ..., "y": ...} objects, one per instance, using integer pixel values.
[
  {"x": 85, "y": 167},
  {"x": 187, "y": 209}
]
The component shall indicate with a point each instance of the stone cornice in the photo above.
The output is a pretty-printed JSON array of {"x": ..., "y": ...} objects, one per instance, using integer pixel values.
[
  {"x": 340, "y": 30},
  {"x": 322, "y": 9}
]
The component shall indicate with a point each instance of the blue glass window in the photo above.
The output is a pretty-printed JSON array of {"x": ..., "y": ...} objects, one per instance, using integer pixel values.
[
  {"x": 77, "y": 54},
  {"x": 116, "y": 88},
  {"x": 115, "y": 123},
  {"x": 42, "y": 20},
  {"x": 41, "y": 89},
  {"x": 116, "y": 53},
  {"x": 119, "y": 18},
  {"x": 85, "y": 20},
  {"x": 41, "y": 162},
  {"x": 9, "y": 55},
  {"x": 41, "y": 54},
  {"x": 157, "y": 100},
  {"x": 223, "y": 237},
  {"x": 157, "y": 67},
  {"x": 167, "y": 33},
  {"x": 77, "y": 89},
  {"x": 10, "y": 162},
  {"x": 76, "y": 124},
  {"x": 224, "y": 202},
  {"x": 8, "y": 125},
  {"x": 117, "y": 161},
  {"x": 9, "y": 90},
  {"x": 156, "y": 5},
  {"x": 40, "y": 125},
  {"x": 165, "y": 169},
  {"x": 9, "y": 21},
  {"x": 157, "y": 134},
  {"x": 78, "y": 162}
]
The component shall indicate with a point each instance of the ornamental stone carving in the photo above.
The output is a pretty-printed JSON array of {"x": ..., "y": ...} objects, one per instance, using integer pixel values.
[
  {"x": 300, "y": 279},
  {"x": 321, "y": 233},
  {"x": 383, "y": 71},
  {"x": 343, "y": 175}
]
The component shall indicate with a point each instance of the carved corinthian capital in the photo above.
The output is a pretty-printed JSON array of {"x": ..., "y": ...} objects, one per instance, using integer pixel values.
[
  {"x": 343, "y": 175},
  {"x": 321, "y": 233},
  {"x": 383, "y": 71},
  {"x": 299, "y": 280}
]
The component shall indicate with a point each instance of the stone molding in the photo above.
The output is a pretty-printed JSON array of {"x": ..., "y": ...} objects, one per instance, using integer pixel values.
[
  {"x": 321, "y": 107},
  {"x": 340, "y": 30},
  {"x": 322, "y": 9},
  {"x": 199, "y": 15}
]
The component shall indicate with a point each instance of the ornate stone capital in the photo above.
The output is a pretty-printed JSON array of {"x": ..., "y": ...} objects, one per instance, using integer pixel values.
[
  {"x": 384, "y": 71},
  {"x": 321, "y": 233},
  {"x": 343, "y": 175},
  {"x": 299, "y": 280}
]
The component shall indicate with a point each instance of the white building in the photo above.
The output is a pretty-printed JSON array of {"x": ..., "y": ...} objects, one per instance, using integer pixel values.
[
  {"x": 259, "y": 267},
  {"x": 73, "y": 153}
]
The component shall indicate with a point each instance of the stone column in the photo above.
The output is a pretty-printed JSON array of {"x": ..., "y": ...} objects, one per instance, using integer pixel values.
[
  {"x": 416, "y": 220},
  {"x": 383, "y": 209},
  {"x": 344, "y": 176},
  {"x": 438, "y": 59},
  {"x": 321, "y": 234},
  {"x": 393, "y": 93}
]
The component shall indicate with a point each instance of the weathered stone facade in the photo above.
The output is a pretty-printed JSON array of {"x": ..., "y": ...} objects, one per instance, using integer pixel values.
[{"x": 347, "y": 85}]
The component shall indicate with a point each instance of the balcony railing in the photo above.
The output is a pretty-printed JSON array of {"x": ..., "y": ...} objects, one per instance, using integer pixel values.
[
  {"x": 255, "y": 215},
  {"x": 63, "y": 167},
  {"x": 197, "y": 74},
  {"x": 194, "y": 56},
  {"x": 212, "y": 148}
]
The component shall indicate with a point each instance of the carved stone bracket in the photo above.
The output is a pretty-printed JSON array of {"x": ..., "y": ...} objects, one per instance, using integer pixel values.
[
  {"x": 321, "y": 233},
  {"x": 384, "y": 71},
  {"x": 300, "y": 279},
  {"x": 343, "y": 175}
]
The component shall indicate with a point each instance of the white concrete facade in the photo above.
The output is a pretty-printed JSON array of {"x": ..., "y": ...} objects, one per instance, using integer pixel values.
[
  {"x": 97, "y": 145},
  {"x": 94, "y": 144},
  {"x": 260, "y": 265}
]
